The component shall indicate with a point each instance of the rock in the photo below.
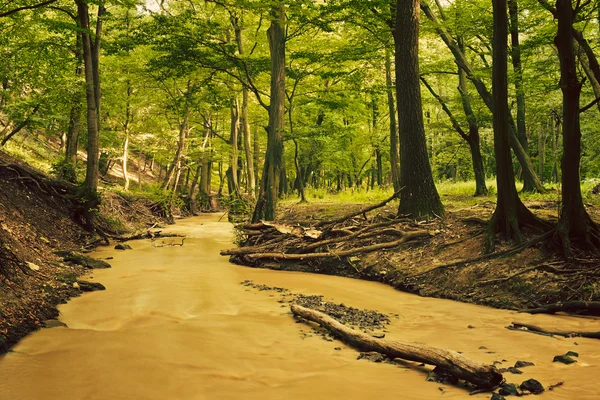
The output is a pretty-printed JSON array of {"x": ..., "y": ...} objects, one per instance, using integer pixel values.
[
  {"x": 76, "y": 257},
  {"x": 123, "y": 246},
  {"x": 496, "y": 396},
  {"x": 482, "y": 348},
  {"x": 338, "y": 348},
  {"x": 470, "y": 327},
  {"x": 440, "y": 376},
  {"x": 532, "y": 386},
  {"x": 521, "y": 364},
  {"x": 53, "y": 323},
  {"x": 572, "y": 354},
  {"x": 512, "y": 370},
  {"x": 33, "y": 266},
  {"x": 564, "y": 359},
  {"x": 86, "y": 286},
  {"x": 75, "y": 285},
  {"x": 371, "y": 356},
  {"x": 508, "y": 389},
  {"x": 379, "y": 335}
]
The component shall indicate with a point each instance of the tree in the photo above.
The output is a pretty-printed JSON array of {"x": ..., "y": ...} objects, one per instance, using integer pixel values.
[
  {"x": 510, "y": 213},
  {"x": 575, "y": 225},
  {"x": 269, "y": 186},
  {"x": 418, "y": 197}
]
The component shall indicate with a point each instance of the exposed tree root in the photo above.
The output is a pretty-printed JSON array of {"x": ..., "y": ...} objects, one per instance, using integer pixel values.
[
  {"x": 451, "y": 362},
  {"x": 517, "y": 326},
  {"x": 344, "y": 253},
  {"x": 504, "y": 253}
]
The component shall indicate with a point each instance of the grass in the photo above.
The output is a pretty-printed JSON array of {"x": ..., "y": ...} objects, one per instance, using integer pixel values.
[{"x": 453, "y": 194}]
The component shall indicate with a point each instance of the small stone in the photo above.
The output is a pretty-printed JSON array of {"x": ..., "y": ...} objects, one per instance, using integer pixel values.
[
  {"x": 338, "y": 348},
  {"x": 86, "y": 286},
  {"x": 379, "y": 335},
  {"x": 521, "y": 364},
  {"x": 496, "y": 396},
  {"x": 33, "y": 266},
  {"x": 123, "y": 246},
  {"x": 532, "y": 386},
  {"x": 470, "y": 327},
  {"x": 514, "y": 370},
  {"x": 508, "y": 389},
  {"x": 564, "y": 359},
  {"x": 572, "y": 354},
  {"x": 75, "y": 285},
  {"x": 53, "y": 323},
  {"x": 482, "y": 348}
]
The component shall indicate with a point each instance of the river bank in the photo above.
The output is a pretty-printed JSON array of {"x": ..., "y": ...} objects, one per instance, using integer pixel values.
[{"x": 182, "y": 322}]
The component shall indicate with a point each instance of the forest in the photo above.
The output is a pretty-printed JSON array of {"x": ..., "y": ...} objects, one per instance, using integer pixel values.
[{"x": 446, "y": 148}]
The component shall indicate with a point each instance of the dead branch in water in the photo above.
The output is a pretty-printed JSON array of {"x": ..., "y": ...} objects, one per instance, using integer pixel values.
[
  {"x": 518, "y": 326},
  {"x": 169, "y": 244},
  {"x": 483, "y": 376},
  {"x": 589, "y": 307}
]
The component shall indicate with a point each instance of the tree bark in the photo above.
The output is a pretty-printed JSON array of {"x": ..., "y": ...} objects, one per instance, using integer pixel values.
[
  {"x": 394, "y": 139},
  {"x": 233, "y": 184},
  {"x": 92, "y": 96},
  {"x": 574, "y": 225},
  {"x": 269, "y": 189},
  {"x": 419, "y": 198},
  {"x": 482, "y": 376},
  {"x": 510, "y": 212},
  {"x": 513, "y": 11}
]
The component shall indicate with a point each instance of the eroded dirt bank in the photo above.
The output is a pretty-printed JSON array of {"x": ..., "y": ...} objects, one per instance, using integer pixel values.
[
  {"x": 449, "y": 263},
  {"x": 176, "y": 322}
]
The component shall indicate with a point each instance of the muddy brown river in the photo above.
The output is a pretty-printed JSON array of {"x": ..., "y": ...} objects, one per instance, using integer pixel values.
[{"x": 175, "y": 323}]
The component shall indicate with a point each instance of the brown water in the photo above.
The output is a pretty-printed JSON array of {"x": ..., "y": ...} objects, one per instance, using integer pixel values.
[{"x": 174, "y": 323}]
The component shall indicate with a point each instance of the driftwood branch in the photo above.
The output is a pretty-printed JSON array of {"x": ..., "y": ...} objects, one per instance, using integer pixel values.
[
  {"x": 589, "y": 307},
  {"x": 518, "y": 326},
  {"x": 343, "y": 253},
  {"x": 359, "y": 212},
  {"x": 169, "y": 244},
  {"x": 483, "y": 376}
]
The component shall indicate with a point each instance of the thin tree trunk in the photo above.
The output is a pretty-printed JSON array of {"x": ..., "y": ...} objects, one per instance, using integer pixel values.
[
  {"x": 585, "y": 64},
  {"x": 125, "y": 155},
  {"x": 269, "y": 190},
  {"x": 541, "y": 150},
  {"x": 232, "y": 183},
  {"x": 513, "y": 10},
  {"x": 74, "y": 117},
  {"x": 244, "y": 122},
  {"x": 179, "y": 153},
  {"x": 394, "y": 139}
]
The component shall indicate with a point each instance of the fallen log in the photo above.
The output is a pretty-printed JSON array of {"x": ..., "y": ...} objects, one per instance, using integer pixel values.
[
  {"x": 481, "y": 375},
  {"x": 518, "y": 326},
  {"x": 589, "y": 307},
  {"x": 359, "y": 212},
  {"x": 342, "y": 253}
]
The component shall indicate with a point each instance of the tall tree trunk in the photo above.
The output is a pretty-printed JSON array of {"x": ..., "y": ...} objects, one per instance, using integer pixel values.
[
  {"x": 585, "y": 64},
  {"x": 419, "y": 196},
  {"x": 244, "y": 122},
  {"x": 269, "y": 189},
  {"x": 92, "y": 86},
  {"x": 299, "y": 178},
  {"x": 513, "y": 10},
  {"x": 394, "y": 139},
  {"x": 74, "y": 117},
  {"x": 232, "y": 172},
  {"x": 555, "y": 139},
  {"x": 541, "y": 150},
  {"x": 256, "y": 156},
  {"x": 574, "y": 225},
  {"x": 510, "y": 212}
]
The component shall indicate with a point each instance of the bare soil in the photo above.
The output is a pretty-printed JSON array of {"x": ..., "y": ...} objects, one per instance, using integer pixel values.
[{"x": 36, "y": 221}]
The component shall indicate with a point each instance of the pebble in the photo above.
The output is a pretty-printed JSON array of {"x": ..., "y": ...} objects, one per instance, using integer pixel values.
[
  {"x": 532, "y": 386},
  {"x": 565, "y": 359}
]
